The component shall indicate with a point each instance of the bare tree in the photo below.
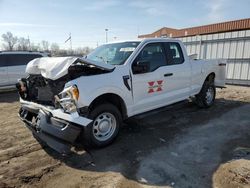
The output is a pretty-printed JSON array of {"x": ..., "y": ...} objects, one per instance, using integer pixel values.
[
  {"x": 23, "y": 44},
  {"x": 87, "y": 50},
  {"x": 55, "y": 49},
  {"x": 45, "y": 45},
  {"x": 12, "y": 42},
  {"x": 35, "y": 47},
  {"x": 82, "y": 51},
  {"x": 9, "y": 41}
]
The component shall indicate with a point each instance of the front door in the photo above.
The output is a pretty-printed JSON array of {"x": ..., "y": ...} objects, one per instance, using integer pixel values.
[{"x": 149, "y": 87}]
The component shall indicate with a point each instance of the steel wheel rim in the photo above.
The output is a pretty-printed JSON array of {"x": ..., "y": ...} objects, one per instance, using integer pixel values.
[
  {"x": 210, "y": 95},
  {"x": 104, "y": 126}
]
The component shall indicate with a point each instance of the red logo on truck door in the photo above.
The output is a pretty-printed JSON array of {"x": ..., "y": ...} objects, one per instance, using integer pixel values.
[{"x": 155, "y": 86}]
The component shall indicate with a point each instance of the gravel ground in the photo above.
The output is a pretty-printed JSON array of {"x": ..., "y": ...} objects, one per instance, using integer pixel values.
[{"x": 177, "y": 146}]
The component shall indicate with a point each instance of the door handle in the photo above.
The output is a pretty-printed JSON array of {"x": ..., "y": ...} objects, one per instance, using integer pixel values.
[{"x": 168, "y": 74}]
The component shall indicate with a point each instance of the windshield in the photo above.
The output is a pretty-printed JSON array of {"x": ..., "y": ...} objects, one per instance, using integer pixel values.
[{"x": 114, "y": 54}]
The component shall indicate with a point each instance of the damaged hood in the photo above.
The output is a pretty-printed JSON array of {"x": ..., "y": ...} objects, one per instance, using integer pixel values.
[{"x": 56, "y": 67}]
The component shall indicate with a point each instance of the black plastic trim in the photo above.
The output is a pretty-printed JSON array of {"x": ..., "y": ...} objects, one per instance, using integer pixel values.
[
  {"x": 125, "y": 81},
  {"x": 60, "y": 135}
]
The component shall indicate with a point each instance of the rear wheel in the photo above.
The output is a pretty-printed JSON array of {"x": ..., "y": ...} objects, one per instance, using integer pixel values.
[
  {"x": 207, "y": 95},
  {"x": 105, "y": 126}
]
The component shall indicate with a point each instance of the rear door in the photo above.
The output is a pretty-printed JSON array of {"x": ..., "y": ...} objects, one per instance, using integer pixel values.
[
  {"x": 17, "y": 64},
  {"x": 3, "y": 71}
]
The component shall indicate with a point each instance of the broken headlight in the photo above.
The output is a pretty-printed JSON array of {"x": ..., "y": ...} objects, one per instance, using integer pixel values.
[{"x": 68, "y": 99}]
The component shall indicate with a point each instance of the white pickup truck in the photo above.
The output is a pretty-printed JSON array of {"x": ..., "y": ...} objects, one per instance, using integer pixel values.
[{"x": 66, "y": 100}]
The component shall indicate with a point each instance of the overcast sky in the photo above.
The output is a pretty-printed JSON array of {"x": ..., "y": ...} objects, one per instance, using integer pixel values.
[{"x": 86, "y": 20}]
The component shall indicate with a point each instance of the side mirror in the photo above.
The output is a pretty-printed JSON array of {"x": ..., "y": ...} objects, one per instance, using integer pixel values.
[{"x": 141, "y": 67}]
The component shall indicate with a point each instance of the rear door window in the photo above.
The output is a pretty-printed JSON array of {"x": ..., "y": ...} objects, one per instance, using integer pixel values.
[{"x": 3, "y": 60}]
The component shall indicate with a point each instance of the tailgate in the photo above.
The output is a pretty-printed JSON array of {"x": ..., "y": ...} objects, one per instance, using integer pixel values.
[{"x": 220, "y": 78}]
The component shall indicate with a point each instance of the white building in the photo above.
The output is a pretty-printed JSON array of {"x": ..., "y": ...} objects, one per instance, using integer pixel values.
[{"x": 227, "y": 40}]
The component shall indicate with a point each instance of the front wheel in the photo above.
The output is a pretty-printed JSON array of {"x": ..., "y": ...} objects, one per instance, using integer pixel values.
[
  {"x": 105, "y": 126},
  {"x": 206, "y": 96}
]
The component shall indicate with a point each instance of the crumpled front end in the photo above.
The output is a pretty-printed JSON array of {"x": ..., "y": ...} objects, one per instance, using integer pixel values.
[
  {"x": 59, "y": 130},
  {"x": 49, "y": 105}
]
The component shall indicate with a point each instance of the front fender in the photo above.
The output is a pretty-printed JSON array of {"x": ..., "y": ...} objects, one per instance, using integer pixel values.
[
  {"x": 88, "y": 98},
  {"x": 89, "y": 90}
]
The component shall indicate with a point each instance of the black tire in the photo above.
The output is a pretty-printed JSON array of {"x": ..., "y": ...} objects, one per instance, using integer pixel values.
[
  {"x": 89, "y": 138},
  {"x": 201, "y": 99}
]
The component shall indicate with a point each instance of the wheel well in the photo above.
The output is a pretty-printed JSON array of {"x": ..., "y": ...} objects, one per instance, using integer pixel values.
[
  {"x": 210, "y": 77},
  {"x": 113, "y": 99}
]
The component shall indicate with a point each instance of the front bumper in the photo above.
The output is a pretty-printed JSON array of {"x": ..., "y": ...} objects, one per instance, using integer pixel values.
[{"x": 57, "y": 129}]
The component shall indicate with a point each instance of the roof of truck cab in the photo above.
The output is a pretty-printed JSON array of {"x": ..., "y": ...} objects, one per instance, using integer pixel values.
[
  {"x": 160, "y": 39},
  {"x": 121, "y": 41}
]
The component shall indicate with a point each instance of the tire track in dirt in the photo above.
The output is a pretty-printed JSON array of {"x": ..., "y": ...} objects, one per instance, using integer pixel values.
[
  {"x": 22, "y": 158},
  {"x": 29, "y": 165},
  {"x": 24, "y": 163},
  {"x": 18, "y": 151}
]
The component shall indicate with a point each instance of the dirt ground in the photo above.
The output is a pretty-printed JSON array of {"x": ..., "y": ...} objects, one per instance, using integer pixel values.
[{"x": 178, "y": 146}]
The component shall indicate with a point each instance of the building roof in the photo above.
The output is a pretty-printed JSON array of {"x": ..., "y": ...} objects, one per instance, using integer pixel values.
[{"x": 235, "y": 25}]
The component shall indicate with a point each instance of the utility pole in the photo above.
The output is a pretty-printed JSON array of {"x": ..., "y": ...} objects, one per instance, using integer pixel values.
[
  {"x": 138, "y": 31},
  {"x": 70, "y": 42},
  {"x": 200, "y": 44},
  {"x": 29, "y": 41},
  {"x": 106, "y": 30}
]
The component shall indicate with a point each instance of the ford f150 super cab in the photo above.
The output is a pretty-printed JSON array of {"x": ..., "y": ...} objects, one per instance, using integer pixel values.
[{"x": 66, "y": 100}]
